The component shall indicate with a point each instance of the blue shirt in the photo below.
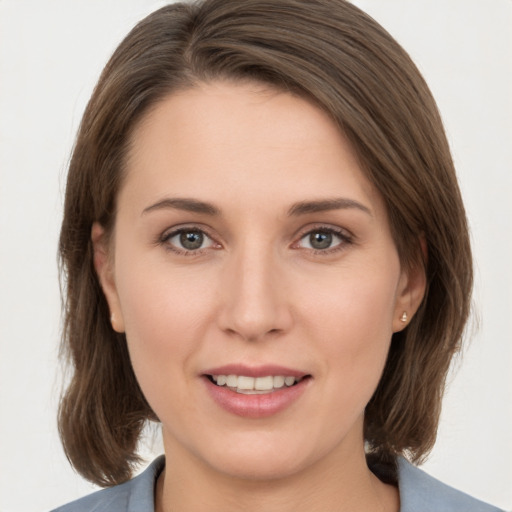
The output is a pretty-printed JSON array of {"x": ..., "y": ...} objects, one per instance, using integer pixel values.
[{"x": 419, "y": 492}]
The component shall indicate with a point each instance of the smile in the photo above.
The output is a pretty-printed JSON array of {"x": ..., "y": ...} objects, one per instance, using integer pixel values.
[
  {"x": 255, "y": 392},
  {"x": 254, "y": 385}
]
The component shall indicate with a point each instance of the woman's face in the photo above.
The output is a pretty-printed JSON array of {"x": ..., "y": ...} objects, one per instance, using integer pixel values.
[{"x": 250, "y": 249}]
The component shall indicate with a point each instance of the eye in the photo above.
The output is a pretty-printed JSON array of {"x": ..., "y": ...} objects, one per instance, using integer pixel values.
[
  {"x": 324, "y": 240},
  {"x": 187, "y": 240}
]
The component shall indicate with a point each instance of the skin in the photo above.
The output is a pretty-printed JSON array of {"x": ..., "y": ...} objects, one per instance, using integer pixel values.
[{"x": 256, "y": 292}]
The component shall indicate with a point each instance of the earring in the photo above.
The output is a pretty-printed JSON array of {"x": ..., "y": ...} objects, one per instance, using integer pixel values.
[
  {"x": 112, "y": 320},
  {"x": 404, "y": 317}
]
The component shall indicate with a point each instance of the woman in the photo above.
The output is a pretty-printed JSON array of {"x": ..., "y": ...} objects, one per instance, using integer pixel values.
[{"x": 258, "y": 240}]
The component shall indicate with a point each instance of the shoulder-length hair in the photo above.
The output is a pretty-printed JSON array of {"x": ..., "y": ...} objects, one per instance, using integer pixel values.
[{"x": 335, "y": 55}]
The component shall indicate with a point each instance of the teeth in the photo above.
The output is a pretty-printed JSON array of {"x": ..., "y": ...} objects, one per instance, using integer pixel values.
[
  {"x": 245, "y": 382},
  {"x": 254, "y": 385},
  {"x": 231, "y": 381},
  {"x": 289, "y": 381},
  {"x": 264, "y": 383}
]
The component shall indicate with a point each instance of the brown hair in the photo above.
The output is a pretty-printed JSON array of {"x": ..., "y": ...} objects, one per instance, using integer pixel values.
[{"x": 337, "y": 56}]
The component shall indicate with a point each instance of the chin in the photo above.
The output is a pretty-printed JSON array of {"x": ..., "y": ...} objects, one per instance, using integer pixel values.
[
  {"x": 264, "y": 456},
  {"x": 259, "y": 467}
]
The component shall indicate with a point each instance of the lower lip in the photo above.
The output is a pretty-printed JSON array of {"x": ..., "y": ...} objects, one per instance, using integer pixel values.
[{"x": 256, "y": 406}]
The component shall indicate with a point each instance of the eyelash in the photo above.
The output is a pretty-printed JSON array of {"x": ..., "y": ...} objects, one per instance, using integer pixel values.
[
  {"x": 165, "y": 238},
  {"x": 345, "y": 239},
  {"x": 343, "y": 235}
]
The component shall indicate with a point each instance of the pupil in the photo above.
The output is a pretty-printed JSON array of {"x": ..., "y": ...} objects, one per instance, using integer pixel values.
[
  {"x": 320, "y": 240},
  {"x": 191, "y": 240}
]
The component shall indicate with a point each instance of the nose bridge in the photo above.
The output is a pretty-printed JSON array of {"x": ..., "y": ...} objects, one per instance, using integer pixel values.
[{"x": 254, "y": 300}]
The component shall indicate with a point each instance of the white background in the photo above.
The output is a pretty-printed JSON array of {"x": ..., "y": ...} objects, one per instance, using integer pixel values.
[{"x": 51, "y": 53}]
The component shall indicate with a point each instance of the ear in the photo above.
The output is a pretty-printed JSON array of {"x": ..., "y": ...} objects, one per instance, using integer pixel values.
[
  {"x": 103, "y": 264},
  {"x": 410, "y": 293}
]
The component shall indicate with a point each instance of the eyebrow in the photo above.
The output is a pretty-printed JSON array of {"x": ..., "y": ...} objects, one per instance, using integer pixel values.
[
  {"x": 189, "y": 205},
  {"x": 305, "y": 207},
  {"x": 300, "y": 208}
]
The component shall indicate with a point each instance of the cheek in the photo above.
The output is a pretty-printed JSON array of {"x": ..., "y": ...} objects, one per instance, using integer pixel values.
[
  {"x": 355, "y": 333},
  {"x": 359, "y": 300},
  {"x": 353, "y": 319},
  {"x": 165, "y": 330},
  {"x": 165, "y": 318}
]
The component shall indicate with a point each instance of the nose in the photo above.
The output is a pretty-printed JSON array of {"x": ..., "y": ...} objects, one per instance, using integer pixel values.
[{"x": 254, "y": 301}]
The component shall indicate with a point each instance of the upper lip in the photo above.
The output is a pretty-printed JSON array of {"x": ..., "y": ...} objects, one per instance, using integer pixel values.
[{"x": 255, "y": 371}]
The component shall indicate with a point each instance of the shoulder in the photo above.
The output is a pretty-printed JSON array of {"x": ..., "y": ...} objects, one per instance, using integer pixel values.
[
  {"x": 136, "y": 495},
  {"x": 419, "y": 492}
]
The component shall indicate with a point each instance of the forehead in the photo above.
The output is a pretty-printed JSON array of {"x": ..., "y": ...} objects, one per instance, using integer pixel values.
[
  {"x": 233, "y": 113},
  {"x": 230, "y": 137}
]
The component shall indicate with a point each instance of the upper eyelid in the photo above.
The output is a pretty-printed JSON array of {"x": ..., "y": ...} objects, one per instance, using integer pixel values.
[
  {"x": 337, "y": 230},
  {"x": 186, "y": 227}
]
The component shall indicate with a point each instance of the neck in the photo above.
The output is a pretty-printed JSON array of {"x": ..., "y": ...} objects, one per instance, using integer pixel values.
[{"x": 340, "y": 485}]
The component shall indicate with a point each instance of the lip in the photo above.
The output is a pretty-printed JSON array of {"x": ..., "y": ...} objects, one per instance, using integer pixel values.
[
  {"x": 254, "y": 371},
  {"x": 257, "y": 405}
]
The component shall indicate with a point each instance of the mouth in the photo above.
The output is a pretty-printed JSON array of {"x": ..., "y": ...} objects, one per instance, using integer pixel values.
[
  {"x": 255, "y": 392},
  {"x": 248, "y": 385}
]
